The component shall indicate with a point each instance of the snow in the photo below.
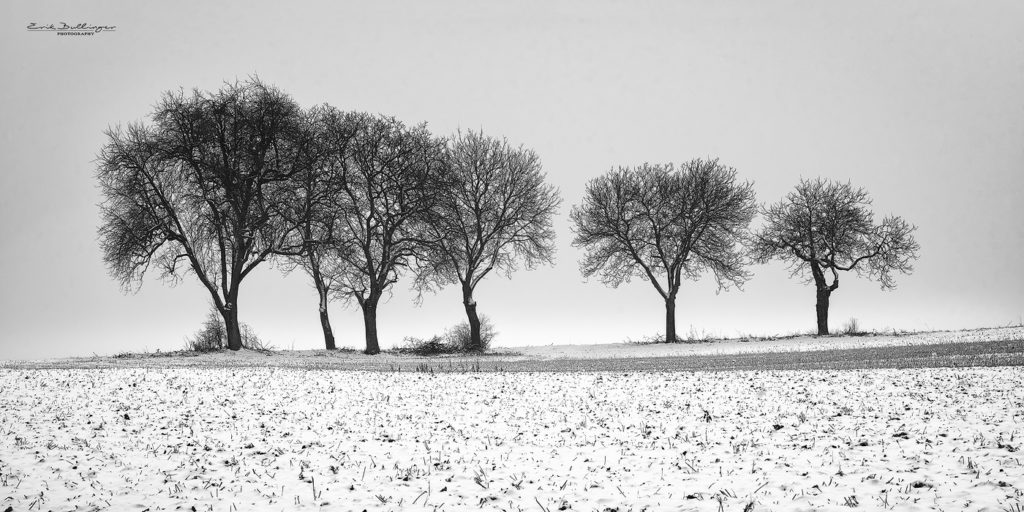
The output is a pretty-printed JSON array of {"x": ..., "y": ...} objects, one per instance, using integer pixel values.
[
  {"x": 757, "y": 345},
  {"x": 616, "y": 351},
  {"x": 286, "y": 439}
]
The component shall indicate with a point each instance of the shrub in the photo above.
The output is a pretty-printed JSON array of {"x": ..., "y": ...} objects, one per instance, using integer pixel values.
[
  {"x": 693, "y": 336},
  {"x": 251, "y": 341},
  {"x": 852, "y": 327},
  {"x": 459, "y": 336},
  {"x": 434, "y": 345},
  {"x": 213, "y": 336},
  {"x": 455, "y": 340},
  {"x": 653, "y": 339},
  {"x": 210, "y": 337}
]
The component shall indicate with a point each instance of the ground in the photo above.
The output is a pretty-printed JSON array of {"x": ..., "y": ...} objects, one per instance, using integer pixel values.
[{"x": 269, "y": 433}]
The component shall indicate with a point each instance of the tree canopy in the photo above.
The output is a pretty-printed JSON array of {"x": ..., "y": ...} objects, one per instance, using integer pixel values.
[
  {"x": 495, "y": 215},
  {"x": 194, "y": 191},
  {"x": 665, "y": 224},
  {"x": 824, "y": 227},
  {"x": 389, "y": 178}
]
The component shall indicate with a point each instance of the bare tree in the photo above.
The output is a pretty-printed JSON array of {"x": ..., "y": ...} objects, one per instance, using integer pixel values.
[
  {"x": 312, "y": 207},
  {"x": 193, "y": 191},
  {"x": 496, "y": 214},
  {"x": 826, "y": 227},
  {"x": 658, "y": 222},
  {"x": 389, "y": 178}
]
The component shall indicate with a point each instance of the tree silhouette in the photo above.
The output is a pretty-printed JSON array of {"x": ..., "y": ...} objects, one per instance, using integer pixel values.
[
  {"x": 389, "y": 178},
  {"x": 495, "y": 215},
  {"x": 193, "y": 191},
  {"x": 314, "y": 207},
  {"x": 659, "y": 222},
  {"x": 826, "y": 227}
]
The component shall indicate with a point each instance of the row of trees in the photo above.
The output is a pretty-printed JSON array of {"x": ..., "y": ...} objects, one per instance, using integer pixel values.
[
  {"x": 221, "y": 182},
  {"x": 667, "y": 224}
]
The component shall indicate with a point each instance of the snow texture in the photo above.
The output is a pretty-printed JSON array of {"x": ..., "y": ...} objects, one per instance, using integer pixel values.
[
  {"x": 753, "y": 345},
  {"x": 286, "y": 439}
]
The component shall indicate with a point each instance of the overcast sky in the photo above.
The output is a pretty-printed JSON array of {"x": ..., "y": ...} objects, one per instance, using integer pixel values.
[{"x": 921, "y": 103}]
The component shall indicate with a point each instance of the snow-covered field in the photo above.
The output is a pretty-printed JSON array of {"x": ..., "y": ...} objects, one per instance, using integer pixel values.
[
  {"x": 773, "y": 345},
  {"x": 283, "y": 439},
  {"x": 571, "y": 357}
]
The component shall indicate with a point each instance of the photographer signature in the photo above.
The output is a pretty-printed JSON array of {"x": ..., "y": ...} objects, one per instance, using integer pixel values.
[{"x": 62, "y": 26}]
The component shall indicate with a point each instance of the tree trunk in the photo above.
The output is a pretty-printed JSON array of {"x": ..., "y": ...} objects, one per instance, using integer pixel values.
[
  {"x": 822, "y": 309},
  {"x": 670, "y": 320},
  {"x": 824, "y": 291},
  {"x": 475, "y": 342},
  {"x": 230, "y": 314},
  {"x": 369, "y": 306},
  {"x": 325, "y": 321}
]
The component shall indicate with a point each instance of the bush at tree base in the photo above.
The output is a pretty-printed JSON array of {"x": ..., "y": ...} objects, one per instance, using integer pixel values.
[{"x": 212, "y": 336}]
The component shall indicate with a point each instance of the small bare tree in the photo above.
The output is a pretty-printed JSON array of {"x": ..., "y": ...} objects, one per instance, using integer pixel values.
[
  {"x": 389, "y": 178},
  {"x": 194, "y": 191},
  {"x": 659, "y": 222},
  {"x": 495, "y": 215},
  {"x": 826, "y": 227},
  {"x": 312, "y": 207}
]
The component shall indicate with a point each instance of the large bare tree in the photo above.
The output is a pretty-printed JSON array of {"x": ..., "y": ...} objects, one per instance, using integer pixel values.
[
  {"x": 824, "y": 227},
  {"x": 390, "y": 177},
  {"x": 665, "y": 224},
  {"x": 193, "y": 191},
  {"x": 496, "y": 214}
]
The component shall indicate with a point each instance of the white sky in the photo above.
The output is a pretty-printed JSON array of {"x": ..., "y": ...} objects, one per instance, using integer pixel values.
[{"x": 919, "y": 102}]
